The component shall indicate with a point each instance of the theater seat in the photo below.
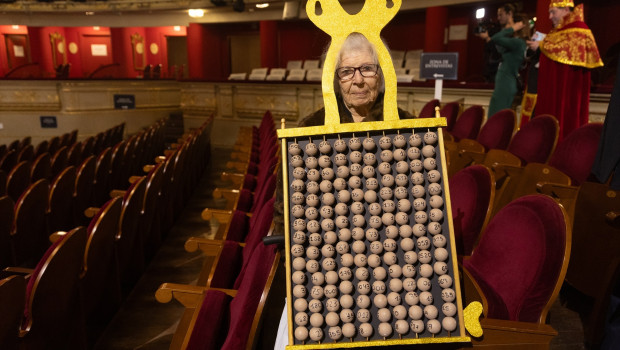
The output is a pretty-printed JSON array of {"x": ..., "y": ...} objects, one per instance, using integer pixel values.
[
  {"x": 428, "y": 110},
  {"x": 12, "y": 294},
  {"x": 30, "y": 238}
]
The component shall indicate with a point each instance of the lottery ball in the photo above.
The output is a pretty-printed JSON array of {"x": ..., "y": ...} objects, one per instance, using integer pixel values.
[
  {"x": 340, "y": 145},
  {"x": 317, "y": 292},
  {"x": 401, "y": 218},
  {"x": 331, "y": 277},
  {"x": 299, "y": 277},
  {"x": 385, "y": 142},
  {"x": 361, "y": 273},
  {"x": 298, "y": 185},
  {"x": 391, "y": 231},
  {"x": 411, "y": 298},
  {"x": 430, "y": 311},
  {"x": 363, "y": 315},
  {"x": 360, "y": 261},
  {"x": 420, "y": 217},
  {"x": 409, "y": 284},
  {"x": 411, "y": 257},
  {"x": 363, "y": 287},
  {"x": 428, "y": 151},
  {"x": 355, "y": 157},
  {"x": 327, "y": 211},
  {"x": 434, "y": 228},
  {"x": 445, "y": 281},
  {"x": 418, "y": 191},
  {"x": 357, "y": 233},
  {"x": 417, "y": 326},
  {"x": 316, "y": 334},
  {"x": 423, "y": 243},
  {"x": 386, "y": 193},
  {"x": 372, "y": 184},
  {"x": 430, "y": 138},
  {"x": 448, "y": 309},
  {"x": 348, "y": 330},
  {"x": 297, "y": 250},
  {"x": 300, "y": 291},
  {"x": 393, "y": 299},
  {"x": 346, "y": 287},
  {"x": 299, "y": 237},
  {"x": 407, "y": 244},
  {"x": 328, "y": 264},
  {"x": 408, "y": 270},
  {"x": 440, "y": 254},
  {"x": 399, "y": 155},
  {"x": 385, "y": 168},
  {"x": 388, "y": 219},
  {"x": 313, "y": 175},
  {"x": 423, "y": 284},
  {"x": 340, "y": 160},
  {"x": 387, "y": 180},
  {"x": 386, "y": 155},
  {"x": 434, "y": 189},
  {"x": 448, "y": 295},
  {"x": 429, "y": 163},
  {"x": 327, "y": 173},
  {"x": 415, "y": 140},
  {"x": 370, "y": 159},
  {"x": 298, "y": 198},
  {"x": 440, "y": 268},
  {"x": 363, "y": 301},
  {"x": 344, "y": 196},
  {"x": 368, "y": 172},
  {"x": 399, "y": 141},
  {"x": 370, "y": 196},
  {"x": 380, "y": 300},
  {"x": 357, "y": 194},
  {"x": 347, "y": 315},
  {"x": 369, "y": 144},
  {"x": 299, "y": 263},
  {"x": 355, "y": 169},
  {"x": 313, "y": 252},
  {"x": 355, "y": 143},
  {"x": 311, "y": 162},
  {"x": 365, "y": 330},
  {"x": 426, "y": 298},
  {"x": 325, "y": 147},
  {"x": 416, "y": 165},
  {"x": 330, "y": 237},
  {"x": 433, "y": 176},
  {"x": 312, "y": 200},
  {"x": 299, "y": 173},
  {"x": 346, "y": 260},
  {"x": 401, "y": 327},
  {"x": 396, "y": 285},
  {"x": 332, "y": 319},
  {"x": 359, "y": 247},
  {"x": 389, "y": 258},
  {"x": 426, "y": 270},
  {"x": 436, "y": 201},
  {"x": 311, "y": 149},
  {"x": 318, "y": 278},
  {"x": 405, "y": 231},
  {"x": 402, "y": 167},
  {"x": 297, "y": 161},
  {"x": 379, "y": 273},
  {"x": 325, "y": 161},
  {"x": 374, "y": 260},
  {"x": 301, "y": 333},
  {"x": 401, "y": 180},
  {"x": 294, "y": 149},
  {"x": 415, "y": 311},
  {"x": 301, "y": 319},
  {"x": 433, "y": 326},
  {"x": 413, "y": 153},
  {"x": 384, "y": 315},
  {"x": 334, "y": 333},
  {"x": 449, "y": 324},
  {"x": 378, "y": 287},
  {"x": 424, "y": 256}
]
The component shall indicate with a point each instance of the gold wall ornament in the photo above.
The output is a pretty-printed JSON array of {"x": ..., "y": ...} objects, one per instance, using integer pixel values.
[
  {"x": 139, "y": 56},
  {"x": 339, "y": 24},
  {"x": 59, "y": 52}
]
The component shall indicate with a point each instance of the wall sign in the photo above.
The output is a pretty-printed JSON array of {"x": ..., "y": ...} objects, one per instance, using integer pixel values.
[
  {"x": 48, "y": 121},
  {"x": 439, "y": 65},
  {"x": 124, "y": 101}
]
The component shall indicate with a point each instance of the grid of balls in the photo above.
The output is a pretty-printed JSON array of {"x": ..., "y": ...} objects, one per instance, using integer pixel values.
[{"x": 369, "y": 256}]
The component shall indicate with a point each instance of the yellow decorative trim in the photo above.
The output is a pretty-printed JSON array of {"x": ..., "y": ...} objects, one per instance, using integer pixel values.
[
  {"x": 561, "y": 4},
  {"x": 560, "y": 48},
  {"x": 472, "y": 318},
  {"x": 363, "y": 127},
  {"x": 337, "y": 23},
  {"x": 364, "y": 344}
]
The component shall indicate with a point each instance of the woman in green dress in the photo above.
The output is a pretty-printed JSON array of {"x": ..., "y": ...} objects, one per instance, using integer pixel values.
[{"x": 510, "y": 43}]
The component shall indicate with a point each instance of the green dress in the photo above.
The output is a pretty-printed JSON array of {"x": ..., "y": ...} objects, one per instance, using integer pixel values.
[{"x": 512, "y": 50}]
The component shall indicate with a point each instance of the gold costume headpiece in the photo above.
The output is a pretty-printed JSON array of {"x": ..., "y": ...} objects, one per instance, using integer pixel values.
[{"x": 568, "y": 3}]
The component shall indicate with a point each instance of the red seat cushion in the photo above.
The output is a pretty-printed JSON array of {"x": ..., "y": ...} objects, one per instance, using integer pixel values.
[
  {"x": 497, "y": 132},
  {"x": 536, "y": 140},
  {"x": 209, "y": 331},
  {"x": 468, "y": 124},
  {"x": 575, "y": 155},
  {"x": 520, "y": 256}
]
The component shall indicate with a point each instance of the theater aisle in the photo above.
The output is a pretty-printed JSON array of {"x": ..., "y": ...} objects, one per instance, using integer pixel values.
[{"x": 142, "y": 322}]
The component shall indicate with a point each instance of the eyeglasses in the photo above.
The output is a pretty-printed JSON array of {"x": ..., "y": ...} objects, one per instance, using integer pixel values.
[{"x": 367, "y": 71}]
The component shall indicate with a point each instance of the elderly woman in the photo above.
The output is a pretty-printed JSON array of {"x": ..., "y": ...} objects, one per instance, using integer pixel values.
[{"x": 359, "y": 85}]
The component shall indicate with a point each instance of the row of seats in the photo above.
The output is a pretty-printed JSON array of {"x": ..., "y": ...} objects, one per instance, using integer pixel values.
[
  {"x": 520, "y": 197},
  {"x": 83, "y": 274},
  {"x": 223, "y": 308}
]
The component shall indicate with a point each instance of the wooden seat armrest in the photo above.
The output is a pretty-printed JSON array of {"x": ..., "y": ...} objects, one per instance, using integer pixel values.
[
  {"x": 503, "y": 171},
  {"x": 16, "y": 271},
  {"x": 239, "y": 166},
  {"x": 229, "y": 195},
  {"x": 222, "y": 216},
  {"x": 613, "y": 218},
  {"x": 55, "y": 236},
  {"x": 117, "y": 193},
  {"x": 91, "y": 211},
  {"x": 175, "y": 146},
  {"x": 231, "y": 292},
  {"x": 210, "y": 247},
  {"x": 188, "y": 295},
  {"x": 556, "y": 190},
  {"x": 240, "y": 156},
  {"x": 242, "y": 148},
  {"x": 447, "y": 137},
  {"x": 135, "y": 178},
  {"x": 235, "y": 178},
  {"x": 471, "y": 289},
  {"x": 473, "y": 156},
  {"x": 160, "y": 159}
]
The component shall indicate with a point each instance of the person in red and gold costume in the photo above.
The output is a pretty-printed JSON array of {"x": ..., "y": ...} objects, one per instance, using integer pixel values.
[{"x": 568, "y": 52}]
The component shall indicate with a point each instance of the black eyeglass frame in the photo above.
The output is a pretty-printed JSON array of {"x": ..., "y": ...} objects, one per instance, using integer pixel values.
[{"x": 371, "y": 72}]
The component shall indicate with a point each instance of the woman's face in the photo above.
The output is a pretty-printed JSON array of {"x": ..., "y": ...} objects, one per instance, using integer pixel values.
[{"x": 359, "y": 92}]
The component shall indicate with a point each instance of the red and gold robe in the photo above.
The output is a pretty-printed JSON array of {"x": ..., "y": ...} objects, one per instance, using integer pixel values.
[{"x": 568, "y": 53}]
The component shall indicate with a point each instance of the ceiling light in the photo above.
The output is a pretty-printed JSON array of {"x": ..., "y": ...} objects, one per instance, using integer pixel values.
[
  {"x": 96, "y": 28},
  {"x": 177, "y": 28},
  {"x": 262, "y": 6},
  {"x": 196, "y": 13},
  {"x": 480, "y": 13}
]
